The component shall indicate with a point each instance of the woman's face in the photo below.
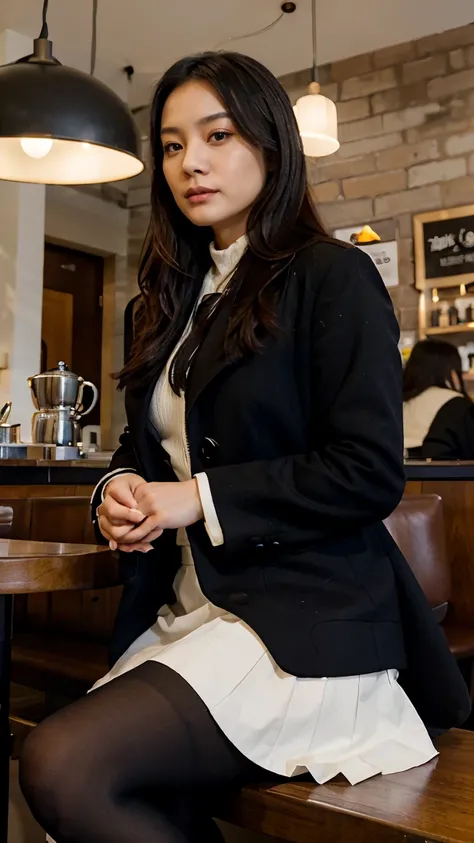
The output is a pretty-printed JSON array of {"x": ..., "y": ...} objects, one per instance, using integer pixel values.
[{"x": 215, "y": 176}]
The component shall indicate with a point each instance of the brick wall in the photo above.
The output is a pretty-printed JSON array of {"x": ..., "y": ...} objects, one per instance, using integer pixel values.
[{"x": 406, "y": 126}]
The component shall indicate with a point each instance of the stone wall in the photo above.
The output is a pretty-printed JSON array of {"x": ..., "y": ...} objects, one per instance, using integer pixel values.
[{"x": 406, "y": 126}]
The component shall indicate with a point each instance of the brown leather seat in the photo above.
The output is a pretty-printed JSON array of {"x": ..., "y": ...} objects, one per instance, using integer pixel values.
[{"x": 417, "y": 526}]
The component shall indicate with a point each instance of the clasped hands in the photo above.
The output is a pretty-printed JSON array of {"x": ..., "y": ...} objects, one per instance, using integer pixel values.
[{"x": 134, "y": 513}]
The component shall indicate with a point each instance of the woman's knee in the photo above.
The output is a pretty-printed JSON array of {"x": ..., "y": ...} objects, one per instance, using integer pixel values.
[{"x": 54, "y": 775}]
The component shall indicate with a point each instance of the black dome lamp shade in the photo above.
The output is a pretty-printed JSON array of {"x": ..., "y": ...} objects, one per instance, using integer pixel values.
[{"x": 61, "y": 126}]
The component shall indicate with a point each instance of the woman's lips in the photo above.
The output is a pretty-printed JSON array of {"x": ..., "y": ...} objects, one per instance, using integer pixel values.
[
  {"x": 199, "y": 198},
  {"x": 196, "y": 197}
]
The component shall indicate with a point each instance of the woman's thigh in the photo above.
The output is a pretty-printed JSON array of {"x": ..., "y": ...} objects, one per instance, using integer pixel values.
[{"x": 147, "y": 729}]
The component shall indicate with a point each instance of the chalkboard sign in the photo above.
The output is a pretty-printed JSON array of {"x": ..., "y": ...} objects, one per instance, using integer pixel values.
[{"x": 444, "y": 247}]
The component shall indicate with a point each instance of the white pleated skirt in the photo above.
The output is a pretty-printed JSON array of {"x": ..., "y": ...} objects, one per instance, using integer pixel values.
[{"x": 355, "y": 725}]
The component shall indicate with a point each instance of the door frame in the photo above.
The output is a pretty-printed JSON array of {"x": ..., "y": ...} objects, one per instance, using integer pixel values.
[{"x": 108, "y": 388}]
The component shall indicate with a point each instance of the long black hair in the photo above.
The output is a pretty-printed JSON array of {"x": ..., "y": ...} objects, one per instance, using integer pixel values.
[
  {"x": 432, "y": 363},
  {"x": 176, "y": 256}
]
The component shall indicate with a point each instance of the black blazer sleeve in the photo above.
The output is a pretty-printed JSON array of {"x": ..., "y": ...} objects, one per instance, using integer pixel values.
[
  {"x": 122, "y": 462},
  {"x": 354, "y": 473},
  {"x": 451, "y": 435}
]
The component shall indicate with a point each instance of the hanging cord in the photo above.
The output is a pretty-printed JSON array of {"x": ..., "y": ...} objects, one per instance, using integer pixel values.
[
  {"x": 95, "y": 7},
  {"x": 44, "y": 30},
  {"x": 314, "y": 73},
  {"x": 250, "y": 34}
]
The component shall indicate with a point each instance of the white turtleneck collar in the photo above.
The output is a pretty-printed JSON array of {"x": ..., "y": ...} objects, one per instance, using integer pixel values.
[{"x": 226, "y": 260}]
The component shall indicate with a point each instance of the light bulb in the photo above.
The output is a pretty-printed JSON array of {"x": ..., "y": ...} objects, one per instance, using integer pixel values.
[
  {"x": 36, "y": 147},
  {"x": 316, "y": 116}
]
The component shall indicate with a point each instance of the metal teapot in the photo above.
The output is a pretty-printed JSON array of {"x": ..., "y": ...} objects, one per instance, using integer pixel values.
[{"x": 59, "y": 388}]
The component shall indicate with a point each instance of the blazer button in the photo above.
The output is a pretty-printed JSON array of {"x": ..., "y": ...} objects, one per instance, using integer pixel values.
[
  {"x": 210, "y": 451},
  {"x": 257, "y": 541},
  {"x": 240, "y": 598}
]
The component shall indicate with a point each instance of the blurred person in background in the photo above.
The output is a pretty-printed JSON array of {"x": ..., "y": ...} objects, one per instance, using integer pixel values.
[{"x": 438, "y": 414}]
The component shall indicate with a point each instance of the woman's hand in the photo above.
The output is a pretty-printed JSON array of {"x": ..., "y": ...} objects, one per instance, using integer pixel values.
[
  {"x": 119, "y": 513},
  {"x": 165, "y": 506}
]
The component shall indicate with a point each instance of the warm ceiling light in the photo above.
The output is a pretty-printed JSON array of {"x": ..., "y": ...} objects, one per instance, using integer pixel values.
[
  {"x": 316, "y": 115},
  {"x": 61, "y": 126},
  {"x": 36, "y": 147}
]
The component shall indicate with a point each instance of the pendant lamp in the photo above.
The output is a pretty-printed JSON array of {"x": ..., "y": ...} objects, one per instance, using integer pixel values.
[
  {"x": 61, "y": 126},
  {"x": 316, "y": 115}
]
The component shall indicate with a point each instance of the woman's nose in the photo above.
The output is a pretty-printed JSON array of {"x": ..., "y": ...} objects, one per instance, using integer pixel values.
[{"x": 195, "y": 159}]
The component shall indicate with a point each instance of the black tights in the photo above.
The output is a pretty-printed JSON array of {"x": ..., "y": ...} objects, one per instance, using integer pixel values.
[{"x": 140, "y": 759}]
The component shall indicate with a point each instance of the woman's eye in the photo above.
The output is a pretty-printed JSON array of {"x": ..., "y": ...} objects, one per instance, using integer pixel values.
[
  {"x": 173, "y": 146},
  {"x": 220, "y": 136}
]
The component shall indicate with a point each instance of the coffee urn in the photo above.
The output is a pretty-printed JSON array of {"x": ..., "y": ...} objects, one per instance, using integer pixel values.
[{"x": 58, "y": 398}]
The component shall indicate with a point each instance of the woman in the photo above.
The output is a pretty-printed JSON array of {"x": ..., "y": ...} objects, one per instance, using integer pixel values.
[
  {"x": 265, "y": 378},
  {"x": 438, "y": 414}
]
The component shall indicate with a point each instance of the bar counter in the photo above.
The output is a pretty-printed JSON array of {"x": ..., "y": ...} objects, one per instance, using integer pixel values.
[
  {"x": 87, "y": 472},
  {"x": 70, "y": 473},
  {"x": 429, "y": 470}
]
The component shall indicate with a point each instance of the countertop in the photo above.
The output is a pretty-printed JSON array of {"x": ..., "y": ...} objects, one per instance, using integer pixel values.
[
  {"x": 81, "y": 463},
  {"x": 446, "y": 470},
  {"x": 79, "y": 472},
  {"x": 89, "y": 472}
]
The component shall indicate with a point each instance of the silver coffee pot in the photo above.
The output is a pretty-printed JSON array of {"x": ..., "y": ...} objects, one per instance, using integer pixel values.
[
  {"x": 59, "y": 388},
  {"x": 58, "y": 397},
  {"x": 56, "y": 427}
]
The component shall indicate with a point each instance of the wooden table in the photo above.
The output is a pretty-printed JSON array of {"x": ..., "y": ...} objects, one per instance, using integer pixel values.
[{"x": 27, "y": 567}]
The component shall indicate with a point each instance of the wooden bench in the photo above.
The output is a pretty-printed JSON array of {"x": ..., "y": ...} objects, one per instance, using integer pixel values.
[{"x": 434, "y": 802}]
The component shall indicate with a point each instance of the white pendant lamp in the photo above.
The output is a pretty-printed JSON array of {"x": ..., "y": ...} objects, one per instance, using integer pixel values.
[
  {"x": 61, "y": 126},
  {"x": 316, "y": 115}
]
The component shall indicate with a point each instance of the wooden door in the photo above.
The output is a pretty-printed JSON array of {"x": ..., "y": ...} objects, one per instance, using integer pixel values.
[
  {"x": 57, "y": 328},
  {"x": 72, "y": 315}
]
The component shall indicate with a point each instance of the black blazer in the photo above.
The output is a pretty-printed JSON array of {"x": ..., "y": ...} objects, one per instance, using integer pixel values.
[{"x": 302, "y": 444}]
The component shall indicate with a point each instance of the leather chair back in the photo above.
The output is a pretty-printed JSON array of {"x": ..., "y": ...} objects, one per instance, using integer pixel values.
[{"x": 417, "y": 526}]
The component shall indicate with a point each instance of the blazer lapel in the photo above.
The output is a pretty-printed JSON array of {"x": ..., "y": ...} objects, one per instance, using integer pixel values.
[{"x": 209, "y": 360}]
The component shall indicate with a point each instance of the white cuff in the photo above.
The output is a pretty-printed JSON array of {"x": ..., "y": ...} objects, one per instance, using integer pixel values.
[
  {"x": 211, "y": 521},
  {"x": 108, "y": 477}
]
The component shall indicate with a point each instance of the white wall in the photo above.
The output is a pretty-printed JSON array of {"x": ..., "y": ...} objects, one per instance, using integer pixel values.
[{"x": 85, "y": 221}]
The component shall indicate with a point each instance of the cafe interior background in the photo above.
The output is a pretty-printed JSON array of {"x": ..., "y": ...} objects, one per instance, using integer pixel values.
[{"x": 399, "y": 179}]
